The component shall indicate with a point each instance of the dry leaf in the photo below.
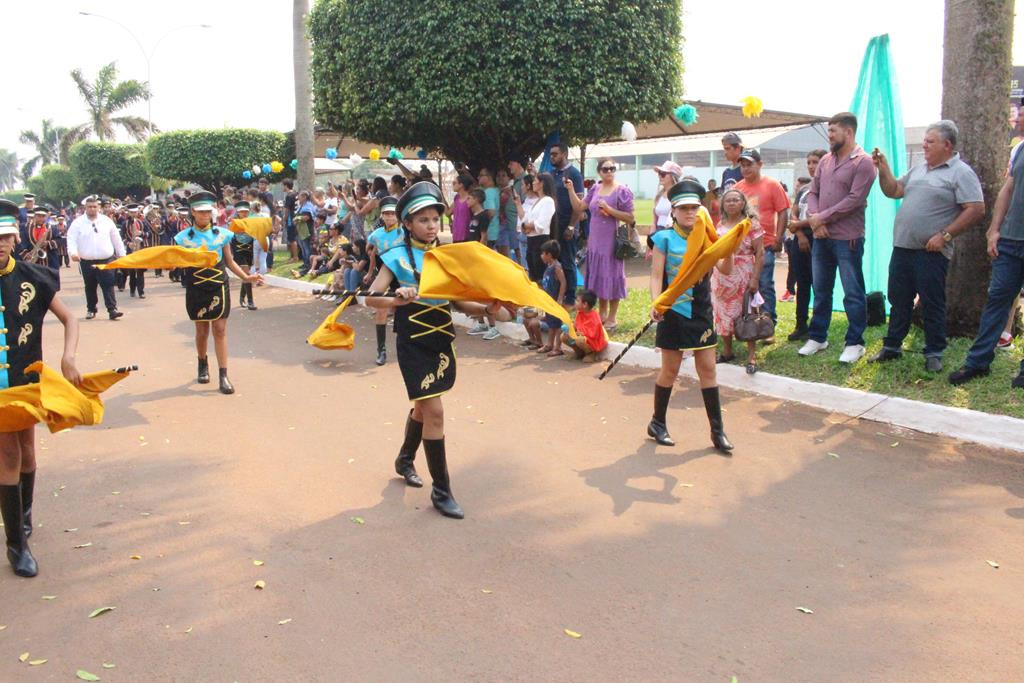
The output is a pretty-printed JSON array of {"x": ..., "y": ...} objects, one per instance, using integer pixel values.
[
  {"x": 49, "y": 597},
  {"x": 993, "y": 564},
  {"x": 804, "y": 610},
  {"x": 184, "y": 523},
  {"x": 23, "y": 657},
  {"x": 283, "y": 622},
  {"x": 86, "y": 676},
  {"x": 258, "y": 563},
  {"x": 135, "y": 557},
  {"x": 188, "y": 630},
  {"x": 102, "y": 610},
  {"x": 573, "y": 634},
  {"x": 485, "y": 591},
  {"x": 108, "y": 665},
  {"x": 894, "y": 444},
  {"x": 357, "y": 520},
  {"x": 37, "y": 662},
  {"x": 687, "y": 486},
  {"x": 3, "y": 626},
  {"x": 351, "y": 460},
  {"x": 834, "y": 455},
  {"x": 84, "y": 545},
  {"x": 260, "y": 585},
  {"x": 67, "y": 531}
]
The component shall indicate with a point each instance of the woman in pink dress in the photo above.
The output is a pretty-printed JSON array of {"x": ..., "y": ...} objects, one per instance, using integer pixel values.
[{"x": 727, "y": 291}]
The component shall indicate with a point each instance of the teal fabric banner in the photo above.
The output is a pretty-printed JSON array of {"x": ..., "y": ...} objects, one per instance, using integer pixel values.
[{"x": 876, "y": 104}]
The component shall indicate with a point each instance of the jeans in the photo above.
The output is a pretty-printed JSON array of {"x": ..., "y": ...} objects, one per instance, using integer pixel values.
[
  {"x": 105, "y": 279},
  {"x": 915, "y": 272},
  {"x": 305, "y": 249},
  {"x": 801, "y": 269},
  {"x": 826, "y": 256},
  {"x": 521, "y": 246},
  {"x": 1007, "y": 280},
  {"x": 353, "y": 279},
  {"x": 766, "y": 285}
]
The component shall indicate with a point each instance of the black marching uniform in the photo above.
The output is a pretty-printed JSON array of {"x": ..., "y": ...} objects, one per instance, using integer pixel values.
[{"x": 242, "y": 251}]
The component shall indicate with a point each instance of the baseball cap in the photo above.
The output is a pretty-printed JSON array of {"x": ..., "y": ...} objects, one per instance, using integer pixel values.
[{"x": 751, "y": 155}]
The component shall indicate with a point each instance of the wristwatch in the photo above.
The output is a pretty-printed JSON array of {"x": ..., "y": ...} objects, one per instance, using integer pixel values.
[{"x": 946, "y": 237}]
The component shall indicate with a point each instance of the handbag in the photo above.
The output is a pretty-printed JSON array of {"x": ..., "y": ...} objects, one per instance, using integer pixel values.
[
  {"x": 753, "y": 323},
  {"x": 625, "y": 245}
]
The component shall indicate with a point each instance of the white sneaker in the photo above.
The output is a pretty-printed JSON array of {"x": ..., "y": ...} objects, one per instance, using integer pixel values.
[
  {"x": 811, "y": 347},
  {"x": 479, "y": 328},
  {"x": 491, "y": 334},
  {"x": 852, "y": 353}
]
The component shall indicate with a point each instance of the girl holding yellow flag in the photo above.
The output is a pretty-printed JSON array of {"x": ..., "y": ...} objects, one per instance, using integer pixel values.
[{"x": 688, "y": 323}]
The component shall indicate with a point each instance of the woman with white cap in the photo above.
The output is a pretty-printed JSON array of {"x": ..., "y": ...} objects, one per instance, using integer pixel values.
[{"x": 669, "y": 173}]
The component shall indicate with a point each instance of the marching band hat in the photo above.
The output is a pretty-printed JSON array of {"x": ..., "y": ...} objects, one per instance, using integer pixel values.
[
  {"x": 241, "y": 206},
  {"x": 686, "y": 193},
  {"x": 388, "y": 203},
  {"x": 28, "y": 195},
  {"x": 202, "y": 201},
  {"x": 9, "y": 213},
  {"x": 419, "y": 196},
  {"x": 40, "y": 211}
]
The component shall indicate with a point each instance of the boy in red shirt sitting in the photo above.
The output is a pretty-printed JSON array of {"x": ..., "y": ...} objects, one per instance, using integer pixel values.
[{"x": 592, "y": 338}]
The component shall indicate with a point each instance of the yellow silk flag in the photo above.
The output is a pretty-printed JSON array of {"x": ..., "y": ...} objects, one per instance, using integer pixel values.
[
  {"x": 469, "y": 271},
  {"x": 165, "y": 257},
  {"x": 257, "y": 227},
  {"x": 333, "y": 335},
  {"x": 704, "y": 248},
  {"x": 54, "y": 401}
]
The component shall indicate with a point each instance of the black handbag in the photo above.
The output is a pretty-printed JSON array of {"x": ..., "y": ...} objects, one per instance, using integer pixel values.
[
  {"x": 624, "y": 246},
  {"x": 753, "y": 323}
]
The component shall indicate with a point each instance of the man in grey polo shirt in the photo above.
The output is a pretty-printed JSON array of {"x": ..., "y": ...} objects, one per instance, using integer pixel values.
[{"x": 941, "y": 199}]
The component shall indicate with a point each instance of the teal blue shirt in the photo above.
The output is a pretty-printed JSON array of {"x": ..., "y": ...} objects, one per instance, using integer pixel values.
[
  {"x": 673, "y": 246},
  {"x": 492, "y": 201},
  {"x": 214, "y": 239},
  {"x": 397, "y": 261},
  {"x": 384, "y": 240}
]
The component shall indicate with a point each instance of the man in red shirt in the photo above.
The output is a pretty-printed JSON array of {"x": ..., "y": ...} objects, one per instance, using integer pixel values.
[{"x": 765, "y": 196}]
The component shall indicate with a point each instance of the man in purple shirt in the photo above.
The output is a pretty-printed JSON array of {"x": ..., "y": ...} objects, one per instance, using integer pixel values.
[{"x": 835, "y": 204}]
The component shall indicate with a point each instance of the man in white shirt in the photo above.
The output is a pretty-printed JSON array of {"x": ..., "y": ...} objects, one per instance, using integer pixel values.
[{"x": 94, "y": 239}]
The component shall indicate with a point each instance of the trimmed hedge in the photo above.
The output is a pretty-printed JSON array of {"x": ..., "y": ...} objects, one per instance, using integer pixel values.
[
  {"x": 214, "y": 158},
  {"x": 109, "y": 168},
  {"x": 59, "y": 184}
]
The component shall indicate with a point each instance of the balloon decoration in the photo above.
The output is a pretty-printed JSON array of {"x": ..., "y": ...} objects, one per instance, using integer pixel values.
[
  {"x": 267, "y": 168},
  {"x": 421, "y": 154},
  {"x": 395, "y": 154},
  {"x": 247, "y": 174},
  {"x": 256, "y": 169},
  {"x": 628, "y": 131},
  {"x": 374, "y": 154},
  {"x": 331, "y": 153},
  {"x": 752, "y": 106},
  {"x": 294, "y": 165},
  {"x": 355, "y": 159},
  {"x": 276, "y": 166},
  {"x": 686, "y": 113}
]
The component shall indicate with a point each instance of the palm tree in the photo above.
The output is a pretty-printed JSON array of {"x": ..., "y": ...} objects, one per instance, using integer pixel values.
[
  {"x": 8, "y": 169},
  {"x": 48, "y": 145},
  {"x": 105, "y": 97}
]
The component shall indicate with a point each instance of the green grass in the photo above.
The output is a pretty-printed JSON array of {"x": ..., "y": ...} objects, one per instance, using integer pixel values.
[
  {"x": 643, "y": 211},
  {"x": 905, "y": 377},
  {"x": 283, "y": 268}
]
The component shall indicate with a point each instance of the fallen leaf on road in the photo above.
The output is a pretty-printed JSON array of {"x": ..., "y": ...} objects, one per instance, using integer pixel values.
[
  {"x": 145, "y": 514},
  {"x": 184, "y": 523},
  {"x": 188, "y": 630},
  {"x": 23, "y": 657},
  {"x": 351, "y": 460},
  {"x": 804, "y": 610},
  {"x": 834, "y": 455},
  {"x": 86, "y": 676},
  {"x": 573, "y": 634},
  {"x": 687, "y": 486},
  {"x": 258, "y": 563},
  {"x": 894, "y": 444},
  {"x": 485, "y": 591},
  {"x": 260, "y": 585},
  {"x": 84, "y": 545},
  {"x": 108, "y": 665},
  {"x": 284, "y": 621},
  {"x": 993, "y": 564},
  {"x": 67, "y": 531},
  {"x": 49, "y": 597},
  {"x": 101, "y": 610},
  {"x": 357, "y": 520},
  {"x": 37, "y": 662},
  {"x": 3, "y": 626},
  {"x": 135, "y": 557}
]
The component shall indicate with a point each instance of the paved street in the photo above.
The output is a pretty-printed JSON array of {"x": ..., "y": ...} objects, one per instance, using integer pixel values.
[{"x": 672, "y": 563}]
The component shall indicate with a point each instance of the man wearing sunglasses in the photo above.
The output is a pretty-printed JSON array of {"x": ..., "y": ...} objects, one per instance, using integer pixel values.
[{"x": 93, "y": 238}]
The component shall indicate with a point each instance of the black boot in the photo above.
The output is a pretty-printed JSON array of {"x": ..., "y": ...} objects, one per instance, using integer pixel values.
[
  {"x": 241, "y": 295},
  {"x": 28, "y": 486},
  {"x": 204, "y": 371},
  {"x": 657, "y": 429},
  {"x": 441, "y": 493},
  {"x": 18, "y": 553},
  {"x": 382, "y": 354},
  {"x": 407, "y": 454},
  {"x": 713, "y": 406},
  {"x": 225, "y": 384}
]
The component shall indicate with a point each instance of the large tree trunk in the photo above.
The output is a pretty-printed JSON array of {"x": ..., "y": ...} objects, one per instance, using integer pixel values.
[
  {"x": 303, "y": 96},
  {"x": 975, "y": 90}
]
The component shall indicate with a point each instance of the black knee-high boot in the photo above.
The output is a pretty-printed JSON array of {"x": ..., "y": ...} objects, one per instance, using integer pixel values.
[
  {"x": 242, "y": 293},
  {"x": 657, "y": 429},
  {"x": 382, "y": 335},
  {"x": 441, "y": 493},
  {"x": 404, "y": 462},
  {"x": 28, "y": 487},
  {"x": 18, "y": 553},
  {"x": 204, "y": 371},
  {"x": 713, "y": 406}
]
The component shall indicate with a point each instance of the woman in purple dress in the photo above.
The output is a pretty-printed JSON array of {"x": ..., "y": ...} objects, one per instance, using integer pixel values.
[{"x": 608, "y": 204}]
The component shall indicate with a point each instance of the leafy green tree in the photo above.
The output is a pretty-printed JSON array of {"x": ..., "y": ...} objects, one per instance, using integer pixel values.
[
  {"x": 47, "y": 143},
  {"x": 104, "y": 98},
  {"x": 35, "y": 186},
  {"x": 109, "y": 168},
  {"x": 8, "y": 169},
  {"x": 218, "y": 157},
  {"x": 59, "y": 184},
  {"x": 518, "y": 70}
]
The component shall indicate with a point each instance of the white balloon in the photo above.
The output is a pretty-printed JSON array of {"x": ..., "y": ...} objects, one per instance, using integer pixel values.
[
  {"x": 628, "y": 131},
  {"x": 355, "y": 158},
  {"x": 256, "y": 169}
]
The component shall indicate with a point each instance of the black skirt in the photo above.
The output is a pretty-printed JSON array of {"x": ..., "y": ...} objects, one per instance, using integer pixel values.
[
  {"x": 242, "y": 253},
  {"x": 207, "y": 293},
  {"x": 426, "y": 353},
  {"x": 676, "y": 332}
]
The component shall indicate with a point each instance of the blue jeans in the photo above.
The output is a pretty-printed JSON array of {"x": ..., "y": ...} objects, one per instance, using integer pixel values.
[
  {"x": 305, "y": 248},
  {"x": 521, "y": 246},
  {"x": 826, "y": 256},
  {"x": 767, "y": 284},
  {"x": 1007, "y": 280},
  {"x": 353, "y": 278},
  {"x": 914, "y": 272}
]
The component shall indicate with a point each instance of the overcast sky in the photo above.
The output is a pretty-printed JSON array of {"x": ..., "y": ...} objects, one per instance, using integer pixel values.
[{"x": 796, "y": 55}]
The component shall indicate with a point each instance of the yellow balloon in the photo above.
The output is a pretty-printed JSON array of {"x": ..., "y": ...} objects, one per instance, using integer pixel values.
[
  {"x": 276, "y": 166},
  {"x": 374, "y": 154},
  {"x": 752, "y": 106}
]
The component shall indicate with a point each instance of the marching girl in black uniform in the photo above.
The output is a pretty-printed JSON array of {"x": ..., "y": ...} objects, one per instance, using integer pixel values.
[
  {"x": 242, "y": 250},
  {"x": 425, "y": 335},
  {"x": 689, "y": 325},
  {"x": 27, "y": 292},
  {"x": 207, "y": 294}
]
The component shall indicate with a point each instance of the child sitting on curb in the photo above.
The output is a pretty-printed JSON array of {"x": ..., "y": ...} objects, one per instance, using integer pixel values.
[{"x": 591, "y": 337}]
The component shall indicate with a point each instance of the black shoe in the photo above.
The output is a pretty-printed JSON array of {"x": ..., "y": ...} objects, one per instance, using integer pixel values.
[
  {"x": 90, "y": 315},
  {"x": 966, "y": 374},
  {"x": 441, "y": 492},
  {"x": 28, "y": 486},
  {"x": 933, "y": 364},
  {"x": 1018, "y": 381},
  {"x": 114, "y": 315},
  {"x": 799, "y": 334},
  {"x": 225, "y": 384},
  {"x": 382, "y": 357},
  {"x": 131, "y": 294},
  {"x": 722, "y": 358},
  {"x": 657, "y": 430},
  {"x": 887, "y": 355},
  {"x": 141, "y": 295},
  {"x": 18, "y": 553},
  {"x": 204, "y": 371},
  {"x": 713, "y": 407},
  {"x": 404, "y": 462}
]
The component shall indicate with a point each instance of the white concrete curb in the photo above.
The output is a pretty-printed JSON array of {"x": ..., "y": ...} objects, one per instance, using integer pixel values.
[{"x": 997, "y": 431}]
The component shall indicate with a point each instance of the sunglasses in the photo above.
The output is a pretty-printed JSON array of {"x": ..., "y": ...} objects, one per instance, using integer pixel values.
[{"x": 607, "y": 169}]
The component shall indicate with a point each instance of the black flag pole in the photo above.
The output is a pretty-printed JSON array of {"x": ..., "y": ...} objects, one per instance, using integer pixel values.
[{"x": 622, "y": 353}]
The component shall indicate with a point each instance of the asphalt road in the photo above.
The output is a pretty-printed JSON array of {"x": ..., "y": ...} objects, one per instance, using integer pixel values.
[{"x": 671, "y": 563}]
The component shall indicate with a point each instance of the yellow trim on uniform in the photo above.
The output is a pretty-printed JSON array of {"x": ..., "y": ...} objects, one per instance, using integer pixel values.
[{"x": 6, "y": 270}]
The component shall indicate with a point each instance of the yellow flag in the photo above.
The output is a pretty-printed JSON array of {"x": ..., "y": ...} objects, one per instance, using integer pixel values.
[
  {"x": 165, "y": 257},
  {"x": 54, "y": 401},
  {"x": 257, "y": 227},
  {"x": 704, "y": 248},
  {"x": 334, "y": 335},
  {"x": 469, "y": 271}
]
